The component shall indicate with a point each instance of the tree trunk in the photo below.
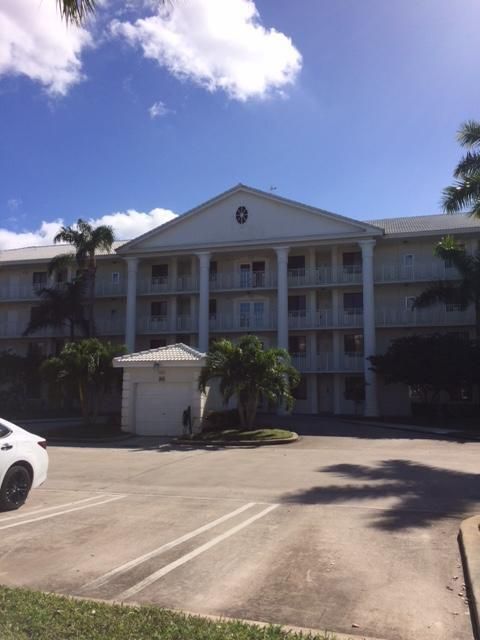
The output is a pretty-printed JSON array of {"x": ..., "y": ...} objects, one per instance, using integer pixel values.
[
  {"x": 242, "y": 412},
  {"x": 477, "y": 318},
  {"x": 91, "y": 299},
  {"x": 72, "y": 330},
  {"x": 83, "y": 397}
]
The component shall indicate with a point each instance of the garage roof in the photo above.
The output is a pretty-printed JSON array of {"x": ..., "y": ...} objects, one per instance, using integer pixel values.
[{"x": 172, "y": 353}]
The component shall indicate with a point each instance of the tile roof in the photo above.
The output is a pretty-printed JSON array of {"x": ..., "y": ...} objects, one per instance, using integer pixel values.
[
  {"x": 46, "y": 252},
  {"x": 428, "y": 224},
  {"x": 172, "y": 353}
]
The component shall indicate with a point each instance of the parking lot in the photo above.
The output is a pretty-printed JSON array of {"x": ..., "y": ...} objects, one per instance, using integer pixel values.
[{"x": 353, "y": 530}]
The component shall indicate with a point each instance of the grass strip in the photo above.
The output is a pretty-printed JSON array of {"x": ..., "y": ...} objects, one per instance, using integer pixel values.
[
  {"x": 237, "y": 434},
  {"x": 33, "y": 615}
]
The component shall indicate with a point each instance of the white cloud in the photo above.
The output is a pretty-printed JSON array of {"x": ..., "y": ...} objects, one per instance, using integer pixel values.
[
  {"x": 218, "y": 44},
  {"x": 158, "y": 109},
  {"x": 126, "y": 224},
  {"x": 35, "y": 42}
]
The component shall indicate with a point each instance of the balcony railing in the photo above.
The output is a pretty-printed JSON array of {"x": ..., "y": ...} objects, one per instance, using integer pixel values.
[
  {"x": 418, "y": 272},
  {"x": 446, "y": 316},
  {"x": 325, "y": 318},
  {"x": 165, "y": 324},
  {"x": 325, "y": 276},
  {"x": 242, "y": 322},
  {"x": 164, "y": 284},
  {"x": 231, "y": 280},
  {"x": 327, "y": 362}
]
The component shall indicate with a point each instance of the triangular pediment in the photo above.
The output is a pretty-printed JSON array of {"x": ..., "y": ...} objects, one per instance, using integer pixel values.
[{"x": 263, "y": 218}]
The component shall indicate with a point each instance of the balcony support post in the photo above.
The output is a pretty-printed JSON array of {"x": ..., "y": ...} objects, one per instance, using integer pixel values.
[
  {"x": 130, "y": 325},
  {"x": 282, "y": 296},
  {"x": 369, "y": 337},
  {"x": 204, "y": 273}
]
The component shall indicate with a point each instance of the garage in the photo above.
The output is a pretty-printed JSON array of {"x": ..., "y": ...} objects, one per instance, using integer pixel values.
[{"x": 159, "y": 385}]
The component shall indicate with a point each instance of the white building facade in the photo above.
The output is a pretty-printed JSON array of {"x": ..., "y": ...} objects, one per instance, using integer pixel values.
[{"x": 330, "y": 289}]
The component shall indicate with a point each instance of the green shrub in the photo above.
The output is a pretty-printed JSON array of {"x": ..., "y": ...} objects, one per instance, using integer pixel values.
[{"x": 220, "y": 420}]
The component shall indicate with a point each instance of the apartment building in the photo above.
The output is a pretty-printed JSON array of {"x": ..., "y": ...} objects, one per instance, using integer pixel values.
[{"x": 330, "y": 289}]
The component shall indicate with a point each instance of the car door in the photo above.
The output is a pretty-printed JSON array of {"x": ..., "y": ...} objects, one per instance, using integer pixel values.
[{"x": 7, "y": 449}]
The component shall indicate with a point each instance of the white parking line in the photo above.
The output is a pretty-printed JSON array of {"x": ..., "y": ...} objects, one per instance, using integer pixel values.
[
  {"x": 61, "y": 513},
  {"x": 146, "y": 582},
  {"x": 98, "y": 582},
  {"x": 44, "y": 509}
]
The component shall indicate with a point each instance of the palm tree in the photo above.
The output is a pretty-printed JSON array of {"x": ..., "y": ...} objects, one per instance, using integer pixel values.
[
  {"x": 59, "y": 307},
  {"x": 76, "y": 11},
  {"x": 87, "y": 240},
  {"x": 464, "y": 292},
  {"x": 250, "y": 373},
  {"x": 464, "y": 195}
]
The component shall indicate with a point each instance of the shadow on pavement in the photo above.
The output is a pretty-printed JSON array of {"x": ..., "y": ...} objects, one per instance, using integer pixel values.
[{"x": 425, "y": 494}]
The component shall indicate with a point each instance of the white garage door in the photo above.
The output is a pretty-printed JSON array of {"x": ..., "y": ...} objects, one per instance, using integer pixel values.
[{"x": 159, "y": 408}]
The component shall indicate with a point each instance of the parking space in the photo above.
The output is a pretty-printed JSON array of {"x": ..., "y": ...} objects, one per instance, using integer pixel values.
[{"x": 329, "y": 533}]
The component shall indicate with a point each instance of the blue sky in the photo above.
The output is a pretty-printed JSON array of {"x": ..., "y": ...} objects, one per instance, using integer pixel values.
[{"x": 357, "y": 110}]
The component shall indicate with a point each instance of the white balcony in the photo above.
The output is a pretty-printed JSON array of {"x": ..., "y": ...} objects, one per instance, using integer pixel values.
[
  {"x": 325, "y": 319},
  {"x": 327, "y": 363},
  {"x": 164, "y": 324},
  {"x": 234, "y": 280},
  {"x": 109, "y": 288},
  {"x": 243, "y": 322},
  {"x": 324, "y": 276},
  {"x": 165, "y": 284},
  {"x": 449, "y": 315},
  {"x": 418, "y": 272}
]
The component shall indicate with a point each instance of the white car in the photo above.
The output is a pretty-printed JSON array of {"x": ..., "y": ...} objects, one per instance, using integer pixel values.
[{"x": 23, "y": 464}]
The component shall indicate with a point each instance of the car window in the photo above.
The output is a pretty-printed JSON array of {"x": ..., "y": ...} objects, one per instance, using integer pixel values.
[{"x": 4, "y": 431}]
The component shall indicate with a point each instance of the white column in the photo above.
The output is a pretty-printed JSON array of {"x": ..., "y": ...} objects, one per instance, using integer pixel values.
[
  {"x": 282, "y": 296},
  {"x": 130, "y": 327},
  {"x": 369, "y": 338},
  {"x": 204, "y": 267}
]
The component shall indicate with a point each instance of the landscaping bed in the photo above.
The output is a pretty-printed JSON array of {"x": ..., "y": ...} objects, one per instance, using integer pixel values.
[
  {"x": 30, "y": 615},
  {"x": 260, "y": 435}
]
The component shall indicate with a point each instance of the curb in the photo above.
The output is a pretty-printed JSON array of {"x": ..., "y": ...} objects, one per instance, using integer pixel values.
[
  {"x": 442, "y": 433},
  {"x": 469, "y": 541},
  {"x": 239, "y": 443}
]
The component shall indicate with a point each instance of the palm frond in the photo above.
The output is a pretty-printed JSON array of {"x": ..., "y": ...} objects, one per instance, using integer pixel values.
[
  {"x": 469, "y": 134},
  {"x": 437, "y": 292},
  {"x": 468, "y": 166},
  {"x": 463, "y": 195},
  {"x": 61, "y": 262},
  {"x": 76, "y": 11}
]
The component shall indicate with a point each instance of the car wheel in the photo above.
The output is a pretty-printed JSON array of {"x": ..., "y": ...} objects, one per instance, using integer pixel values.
[{"x": 15, "y": 487}]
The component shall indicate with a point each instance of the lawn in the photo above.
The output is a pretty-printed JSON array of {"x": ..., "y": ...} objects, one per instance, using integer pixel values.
[
  {"x": 31, "y": 615},
  {"x": 237, "y": 435}
]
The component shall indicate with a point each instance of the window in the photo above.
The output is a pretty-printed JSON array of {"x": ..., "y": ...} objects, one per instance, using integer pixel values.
[
  {"x": 258, "y": 273},
  {"x": 409, "y": 302},
  {"x": 158, "y": 308},
  {"x": 353, "y": 301},
  {"x": 115, "y": 277},
  {"x": 354, "y": 389},
  {"x": 296, "y": 265},
  {"x": 453, "y": 302},
  {"x": 39, "y": 279},
  {"x": 300, "y": 392},
  {"x": 252, "y": 314},
  {"x": 158, "y": 342},
  {"x": 408, "y": 260},
  {"x": 4, "y": 431},
  {"x": 352, "y": 262},
  {"x": 245, "y": 275},
  {"x": 297, "y": 344},
  {"x": 160, "y": 273},
  {"x": 213, "y": 270},
  {"x": 353, "y": 344},
  {"x": 297, "y": 306},
  {"x": 212, "y": 308},
  {"x": 461, "y": 393},
  {"x": 35, "y": 313}
]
